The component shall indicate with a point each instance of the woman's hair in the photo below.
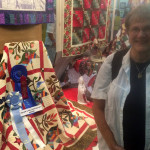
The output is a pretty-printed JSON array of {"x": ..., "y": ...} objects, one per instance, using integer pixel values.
[{"x": 138, "y": 14}]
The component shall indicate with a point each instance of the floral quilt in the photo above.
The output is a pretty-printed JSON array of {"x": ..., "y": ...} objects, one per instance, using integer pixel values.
[{"x": 59, "y": 123}]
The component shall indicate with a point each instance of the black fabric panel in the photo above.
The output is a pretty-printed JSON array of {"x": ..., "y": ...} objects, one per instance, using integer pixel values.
[
  {"x": 134, "y": 110},
  {"x": 117, "y": 62}
]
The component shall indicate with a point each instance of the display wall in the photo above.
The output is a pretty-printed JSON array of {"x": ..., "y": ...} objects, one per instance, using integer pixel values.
[{"x": 19, "y": 33}]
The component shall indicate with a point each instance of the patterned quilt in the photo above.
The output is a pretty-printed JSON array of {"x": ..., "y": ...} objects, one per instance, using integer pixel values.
[
  {"x": 84, "y": 20},
  {"x": 19, "y": 12},
  {"x": 121, "y": 40},
  {"x": 58, "y": 124}
]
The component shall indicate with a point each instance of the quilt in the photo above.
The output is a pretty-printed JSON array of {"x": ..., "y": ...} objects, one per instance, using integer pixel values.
[
  {"x": 84, "y": 20},
  {"x": 121, "y": 40},
  {"x": 26, "y": 70},
  {"x": 18, "y": 12}
]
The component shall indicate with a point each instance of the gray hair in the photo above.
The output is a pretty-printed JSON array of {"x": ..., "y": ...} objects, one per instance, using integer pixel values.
[{"x": 138, "y": 14}]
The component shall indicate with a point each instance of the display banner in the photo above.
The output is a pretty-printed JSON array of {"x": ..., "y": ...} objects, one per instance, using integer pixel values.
[{"x": 17, "y": 12}]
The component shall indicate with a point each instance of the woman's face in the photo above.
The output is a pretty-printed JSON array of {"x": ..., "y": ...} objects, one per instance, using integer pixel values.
[{"x": 139, "y": 36}]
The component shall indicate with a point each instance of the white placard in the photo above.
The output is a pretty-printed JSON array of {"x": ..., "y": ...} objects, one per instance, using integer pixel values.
[
  {"x": 23, "y": 5},
  {"x": 31, "y": 110}
]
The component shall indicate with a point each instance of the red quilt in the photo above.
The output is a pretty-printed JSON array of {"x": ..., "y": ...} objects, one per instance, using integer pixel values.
[{"x": 86, "y": 21}]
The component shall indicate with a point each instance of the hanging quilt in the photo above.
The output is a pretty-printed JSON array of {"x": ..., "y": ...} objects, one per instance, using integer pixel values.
[
  {"x": 18, "y": 12},
  {"x": 84, "y": 20},
  {"x": 121, "y": 40},
  {"x": 34, "y": 113}
]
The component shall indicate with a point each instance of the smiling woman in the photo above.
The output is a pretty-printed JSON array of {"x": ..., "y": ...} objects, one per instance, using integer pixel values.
[
  {"x": 138, "y": 29},
  {"x": 121, "y": 107}
]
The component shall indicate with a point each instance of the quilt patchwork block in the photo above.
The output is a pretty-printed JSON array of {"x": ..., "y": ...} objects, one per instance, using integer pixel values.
[{"x": 86, "y": 21}]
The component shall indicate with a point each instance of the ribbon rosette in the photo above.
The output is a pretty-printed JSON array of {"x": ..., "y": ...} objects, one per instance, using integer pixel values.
[{"x": 19, "y": 76}]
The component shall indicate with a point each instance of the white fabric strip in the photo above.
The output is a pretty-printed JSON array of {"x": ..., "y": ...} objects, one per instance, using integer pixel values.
[
  {"x": 33, "y": 133},
  {"x": 31, "y": 130}
]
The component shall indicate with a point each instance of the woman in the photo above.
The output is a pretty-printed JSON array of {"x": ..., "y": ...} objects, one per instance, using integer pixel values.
[{"x": 122, "y": 106}]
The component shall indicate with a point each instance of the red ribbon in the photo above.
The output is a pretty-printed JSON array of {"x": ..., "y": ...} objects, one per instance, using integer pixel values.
[{"x": 24, "y": 91}]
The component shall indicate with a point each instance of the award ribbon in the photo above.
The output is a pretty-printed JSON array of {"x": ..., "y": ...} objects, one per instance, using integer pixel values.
[
  {"x": 19, "y": 76},
  {"x": 14, "y": 101}
]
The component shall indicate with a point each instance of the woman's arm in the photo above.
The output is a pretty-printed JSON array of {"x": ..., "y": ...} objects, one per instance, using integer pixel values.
[{"x": 98, "y": 111}]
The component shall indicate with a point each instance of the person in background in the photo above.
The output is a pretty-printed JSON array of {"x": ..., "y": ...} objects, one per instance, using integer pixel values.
[
  {"x": 50, "y": 39},
  {"x": 117, "y": 22},
  {"x": 122, "y": 107}
]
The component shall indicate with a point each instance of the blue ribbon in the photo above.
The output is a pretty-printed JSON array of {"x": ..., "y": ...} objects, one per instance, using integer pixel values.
[
  {"x": 16, "y": 72},
  {"x": 14, "y": 101}
]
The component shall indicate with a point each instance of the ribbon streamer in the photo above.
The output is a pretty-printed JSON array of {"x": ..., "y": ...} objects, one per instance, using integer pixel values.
[{"x": 14, "y": 101}]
